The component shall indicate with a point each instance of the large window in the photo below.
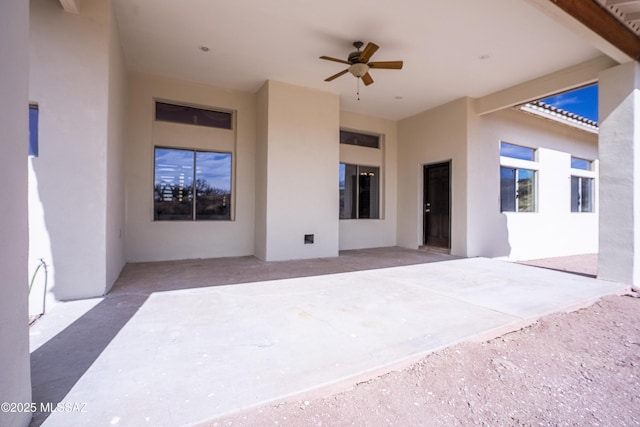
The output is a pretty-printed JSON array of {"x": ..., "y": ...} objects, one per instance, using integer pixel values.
[
  {"x": 192, "y": 185},
  {"x": 359, "y": 192},
  {"x": 517, "y": 178}
]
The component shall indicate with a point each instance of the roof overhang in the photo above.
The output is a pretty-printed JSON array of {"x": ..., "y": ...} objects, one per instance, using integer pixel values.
[
  {"x": 540, "y": 109},
  {"x": 600, "y": 21}
]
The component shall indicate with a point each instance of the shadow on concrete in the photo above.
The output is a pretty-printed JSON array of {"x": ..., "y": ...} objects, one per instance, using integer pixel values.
[
  {"x": 59, "y": 364},
  {"x": 562, "y": 270},
  {"x": 149, "y": 277}
]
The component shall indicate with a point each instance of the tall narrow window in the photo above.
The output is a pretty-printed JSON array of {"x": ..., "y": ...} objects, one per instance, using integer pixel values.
[
  {"x": 33, "y": 130},
  {"x": 517, "y": 178},
  {"x": 581, "y": 185},
  {"x": 359, "y": 192},
  {"x": 581, "y": 194},
  {"x": 192, "y": 185}
]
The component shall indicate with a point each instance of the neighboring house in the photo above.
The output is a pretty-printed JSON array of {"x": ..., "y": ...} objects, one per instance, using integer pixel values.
[{"x": 144, "y": 155}]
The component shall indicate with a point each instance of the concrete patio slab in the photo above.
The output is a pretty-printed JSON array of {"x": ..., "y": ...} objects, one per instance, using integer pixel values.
[{"x": 180, "y": 357}]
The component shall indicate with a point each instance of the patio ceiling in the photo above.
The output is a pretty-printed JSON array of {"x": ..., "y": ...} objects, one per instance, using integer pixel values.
[{"x": 450, "y": 49}]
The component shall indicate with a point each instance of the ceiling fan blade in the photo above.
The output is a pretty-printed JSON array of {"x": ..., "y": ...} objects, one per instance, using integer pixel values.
[
  {"x": 328, "y": 58},
  {"x": 388, "y": 65},
  {"x": 368, "y": 51},
  {"x": 366, "y": 79},
  {"x": 335, "y": 76}
]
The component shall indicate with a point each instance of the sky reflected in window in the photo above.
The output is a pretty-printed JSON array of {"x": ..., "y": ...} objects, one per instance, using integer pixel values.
[
  {"x": 517, "y": 151},
  {"x": 215, "y": 169},
  {"x": 577, "y": 163}
]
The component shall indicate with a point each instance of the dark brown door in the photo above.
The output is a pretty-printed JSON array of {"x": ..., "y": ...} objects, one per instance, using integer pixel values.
[{"x": 437, "y": 206}]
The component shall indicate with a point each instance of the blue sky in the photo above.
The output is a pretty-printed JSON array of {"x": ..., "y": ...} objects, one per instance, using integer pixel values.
[{"x": 583, "y": 101}]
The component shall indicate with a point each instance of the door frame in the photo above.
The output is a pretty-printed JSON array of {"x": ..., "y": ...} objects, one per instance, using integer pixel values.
[{"x": 449, "y": 164}]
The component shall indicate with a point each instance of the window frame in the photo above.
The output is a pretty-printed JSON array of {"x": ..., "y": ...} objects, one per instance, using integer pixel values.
[
  {"x": 579, "y": 197},
  {"x": 516, "y": 188},
  {"x": 365, "y": 135},
  {"x": 231, "y": 114},
  {"x": 589, "y": 163},
  {"x": 194, "y": 196},
  {"x": 34, "y": 125},
  {"x": 519, "y": 165},
  {"x": 582, "y": 174},
  {"x": 356, "y": 209},
  {"x": 534, "y": 152}
]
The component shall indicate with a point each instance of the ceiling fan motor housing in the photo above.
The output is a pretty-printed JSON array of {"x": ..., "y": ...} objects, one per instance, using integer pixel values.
[{"x": 354, "y": 57}]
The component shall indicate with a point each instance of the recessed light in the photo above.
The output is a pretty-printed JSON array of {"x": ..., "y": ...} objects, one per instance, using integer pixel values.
[
  {"x": 399, "y": 97},
  {"x": 484, "y": 57},
  {"x": 204, "y": 48}
]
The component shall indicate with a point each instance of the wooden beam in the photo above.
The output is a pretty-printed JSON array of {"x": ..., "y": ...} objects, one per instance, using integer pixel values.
[
  {"x": 590, "y": 14},
  {"x": 71, "y": 6}
]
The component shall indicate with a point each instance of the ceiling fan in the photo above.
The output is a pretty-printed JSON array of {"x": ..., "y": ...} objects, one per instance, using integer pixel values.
[{"x": 359, "y": 64}]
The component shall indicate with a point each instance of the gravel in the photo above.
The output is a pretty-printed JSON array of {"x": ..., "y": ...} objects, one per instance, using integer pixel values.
[{"x": 570, "y": 369}]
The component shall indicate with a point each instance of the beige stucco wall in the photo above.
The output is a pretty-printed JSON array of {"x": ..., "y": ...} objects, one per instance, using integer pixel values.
[
  {"x": 434, "y": 136},
  {"x": 75, "y": 194},
  {"x": 116, "y": 121},
  {"x": 149, "y": 240},
  {"x": 553, "y": 230},
  {"x": 300, "y": 146},
  {"x": 15, "y": 383},
  {"x": 262, "y": 141},
  {"x": 371, "y": 233}
]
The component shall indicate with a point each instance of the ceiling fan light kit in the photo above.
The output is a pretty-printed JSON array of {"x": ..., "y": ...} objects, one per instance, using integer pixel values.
[
  {"x": 359, "y": 64},
  {"x": 359, "y": 69}
]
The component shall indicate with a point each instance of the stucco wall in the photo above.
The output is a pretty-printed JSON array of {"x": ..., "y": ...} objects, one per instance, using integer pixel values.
[
  {"x": 472, "y": 142},
  {"x": 302, "y": 158},
  {"x": 149, "y": 240},
  {"x": 434, "y": 136},
  {"x": 262, "y": 141},
  {"x": 15, "y": 383},
  {"x": 371, "y": 233},
  {"x": 74, "y": 60},
  {"x": 619, "y": 111},
  {"x": 115, "y": 226},
  {"x": 553, "y": 230}
]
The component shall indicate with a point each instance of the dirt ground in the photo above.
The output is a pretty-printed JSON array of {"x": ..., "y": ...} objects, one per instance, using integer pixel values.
[{"x": 570, "y": 369}]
